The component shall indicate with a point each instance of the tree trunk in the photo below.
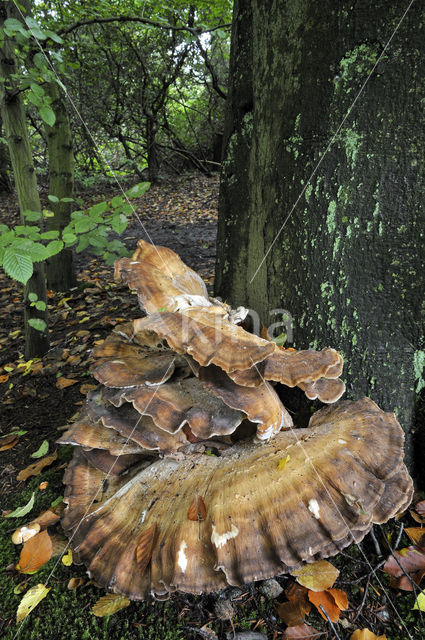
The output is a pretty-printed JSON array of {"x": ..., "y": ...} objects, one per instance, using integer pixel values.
[
  {"x": 5, "y": 186},
  {"x": 13, "y": 115},
  {"x": 60, "y": 268},
  {"x": 152, "y": 150},
  {"x": 347, "y": 264}
]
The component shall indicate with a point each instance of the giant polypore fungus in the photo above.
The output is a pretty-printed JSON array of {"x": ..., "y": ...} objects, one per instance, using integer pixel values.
[{"x": 188, "y": 474}]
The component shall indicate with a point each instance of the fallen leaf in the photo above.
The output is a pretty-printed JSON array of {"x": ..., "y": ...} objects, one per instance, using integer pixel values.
[
  {"x": 35, "y": 468},
  {"x": 67, "y": 558},
  {"x": 145, "y": 547},
  {"x": 42, "y": 450},
  {"x": 62, "y": 382},
  {"x": 316, "y": 576},
  {"x": 298, "y": 594},
  {"x": 85, "y": 388},
  {"x": 4, "y": 378},
  {"x": 24, "y": 533},
  {"x": 282, "y": 463},
  {"x": 8, "y": 442},
  {"x": 21, "y": 511},
  {"x": 420, "y": 601},
  {"x": 410, "y": 559},
  {"x": 301, "y": 632},
  {"x": 323, "y": 599},
  {"x": 35, "y": 553},
  {"x": 30, "y": 600},
  {"x": 197, "y": 510},
  {"x": 340, "y": 597},
  {"x": 416, "y": 535},
  {"x": 59, "y": 544},
  {"x": 365, "y": 634},
  {"x": 45, "y": 519},
  {"x": 292, "y": 613},
  {"x": 21, "y": 587},
  {"x": 109, "y": 604},
  {"x": 74, "y": 583},
  {"x": 43, "y": 485}
]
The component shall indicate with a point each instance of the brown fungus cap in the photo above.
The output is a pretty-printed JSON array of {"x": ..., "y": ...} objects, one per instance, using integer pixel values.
[{"x": 342, "y": 474}]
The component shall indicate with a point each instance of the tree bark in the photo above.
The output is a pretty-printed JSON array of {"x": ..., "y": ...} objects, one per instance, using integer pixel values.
[
  {"x": 5, "y": 186},
  {"x": 347, "y": 264},
  {"x": 152, "y": 149},
  {"x": 13, "y": 115},
  {"x": 60, "y": 268}
]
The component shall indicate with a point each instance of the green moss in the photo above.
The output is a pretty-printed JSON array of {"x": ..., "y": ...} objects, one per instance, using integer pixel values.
[{"x": 330, "y": 218}]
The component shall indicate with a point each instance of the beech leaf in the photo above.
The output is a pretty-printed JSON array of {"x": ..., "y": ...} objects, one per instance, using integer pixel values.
[
  {"x": 42, "y": 450},
  {"x": 35, "y": 468},
  {"x": 30, "y": 600},
  {"x": 301, "y": 632},
  {"x": 316, "y": 576},
  {"x": 323, "y": 599},
  {"x": 109, "y": 604},
  {"x": 35, "y": 553}
]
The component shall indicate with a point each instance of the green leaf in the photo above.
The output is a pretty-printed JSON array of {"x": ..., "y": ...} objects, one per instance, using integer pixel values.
[
  {"x": 32, "y": 216},
  {"x": 56, "y": 502},
  {"x": 98, "y": 241},
  {"x": 38, "y": 324},
  {"x": 67, "y": 199},
  {"x": 69, "y": 238},
  {"x": 100, "y": 207},
  {"x": 83, "y": 224},
  {"x": 32, "y": 297},
  {"x": 40, "y": 305},
  {"x": 42, "y": 450},
  {"x": 53, "y": 198},
  {"x": 138, "y": 190},
  {"x": 54, "y": 247},
  {"x": 119, "y": 223},
  {"x": 12, "y": 23},
  {"x": 22, "y": 511},
  {"x": 17, "y": 265},
  {"x": 53, "y": 36},
  {"x": 47, "y": 115},
  {"x": 50, "y": 235},
  {"x": 35, "y": 88},
  {"x": 117, "y": 201}
]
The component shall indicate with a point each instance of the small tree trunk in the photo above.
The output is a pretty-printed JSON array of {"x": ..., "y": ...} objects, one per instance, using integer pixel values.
[
  {"x": 13, "y": 115},
  {"x": 152, "y": 150},
  {"x": 60, "y": 268},
  {"x": 5, "y": 186}
]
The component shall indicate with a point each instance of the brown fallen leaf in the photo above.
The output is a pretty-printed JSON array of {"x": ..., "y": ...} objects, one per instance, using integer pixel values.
[
  {"x": 62, "y": 382},
  {"x": 365, "y": 634},
  {"x": 340, "y": 597},
  {"x": 301, "y": 632},
  {"x": 7, "y": 442},
  {"x": 74, "y": 583},
  {"x": 35, "y": 553},
  {"x": 109, "y": 604},
  {"x": 410, "y": 559},
  {"x": 197, "y": 510},
  {"x": 298, "y": 594},
  {"x": 316, "y": 576},
  {"x": 325, "y": 600},
  {"x": 35, "y": 468},
  {"x": 292, "y": 613},
  {"x": 85, "y": 388},
  {"x": 43, "y": 485},
  {"x": 45, "y": 519},
  {"x": 145, "y": 547}
]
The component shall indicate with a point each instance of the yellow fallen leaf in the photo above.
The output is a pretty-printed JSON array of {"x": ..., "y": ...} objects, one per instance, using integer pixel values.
[
  {"x": 62, "y": 382},
  {"x": 420, "y": 601},
  {"x": 109, "y": 604},
  {"x": 365, "y": 634},
  {"x": 317, "y": 576},
  {"x": 282, "y": 463},
  {"x": 35, "y": 468},
  {"x": 30, "y": 600},
  {"x": 67, "y": 558}
]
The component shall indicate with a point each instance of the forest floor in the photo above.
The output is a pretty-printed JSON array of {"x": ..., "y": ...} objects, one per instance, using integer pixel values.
[{"x": 41, "y": 396}]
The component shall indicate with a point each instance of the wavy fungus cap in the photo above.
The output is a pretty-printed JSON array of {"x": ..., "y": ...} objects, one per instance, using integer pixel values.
[{"x": 169, "y": 490}]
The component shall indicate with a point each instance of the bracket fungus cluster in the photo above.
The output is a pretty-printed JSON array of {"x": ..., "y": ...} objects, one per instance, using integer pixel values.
[{"x": 187, "y": 472}]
